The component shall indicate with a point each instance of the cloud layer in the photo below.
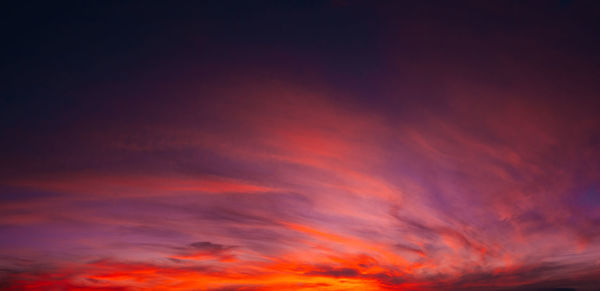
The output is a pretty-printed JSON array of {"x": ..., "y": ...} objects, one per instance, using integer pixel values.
[{"x": 419, "y": 174}]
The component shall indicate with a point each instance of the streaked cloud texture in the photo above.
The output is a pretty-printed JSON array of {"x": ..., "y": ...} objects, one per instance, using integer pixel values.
[{"x": 333, "y": 146}]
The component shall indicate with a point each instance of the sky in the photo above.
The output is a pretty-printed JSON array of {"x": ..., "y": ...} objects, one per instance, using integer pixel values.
[{"x": 300, "y": 145}]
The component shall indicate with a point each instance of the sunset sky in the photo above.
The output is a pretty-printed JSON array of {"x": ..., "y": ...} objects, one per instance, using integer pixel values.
[{"x": 300, "y": 145}]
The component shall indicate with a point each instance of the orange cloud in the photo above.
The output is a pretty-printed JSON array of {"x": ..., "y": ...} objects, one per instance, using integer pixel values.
[{"x": 139, "y": 185}]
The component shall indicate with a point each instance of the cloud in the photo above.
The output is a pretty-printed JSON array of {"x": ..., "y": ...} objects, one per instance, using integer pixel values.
[
  {"x": 109, "y": 185},
  {"x": 423, "y": 174},
  {"x": 206, "y": 250}
]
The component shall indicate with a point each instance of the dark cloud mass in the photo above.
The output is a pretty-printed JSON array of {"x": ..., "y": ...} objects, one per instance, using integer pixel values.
[{"x": 303, "y": 145}]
